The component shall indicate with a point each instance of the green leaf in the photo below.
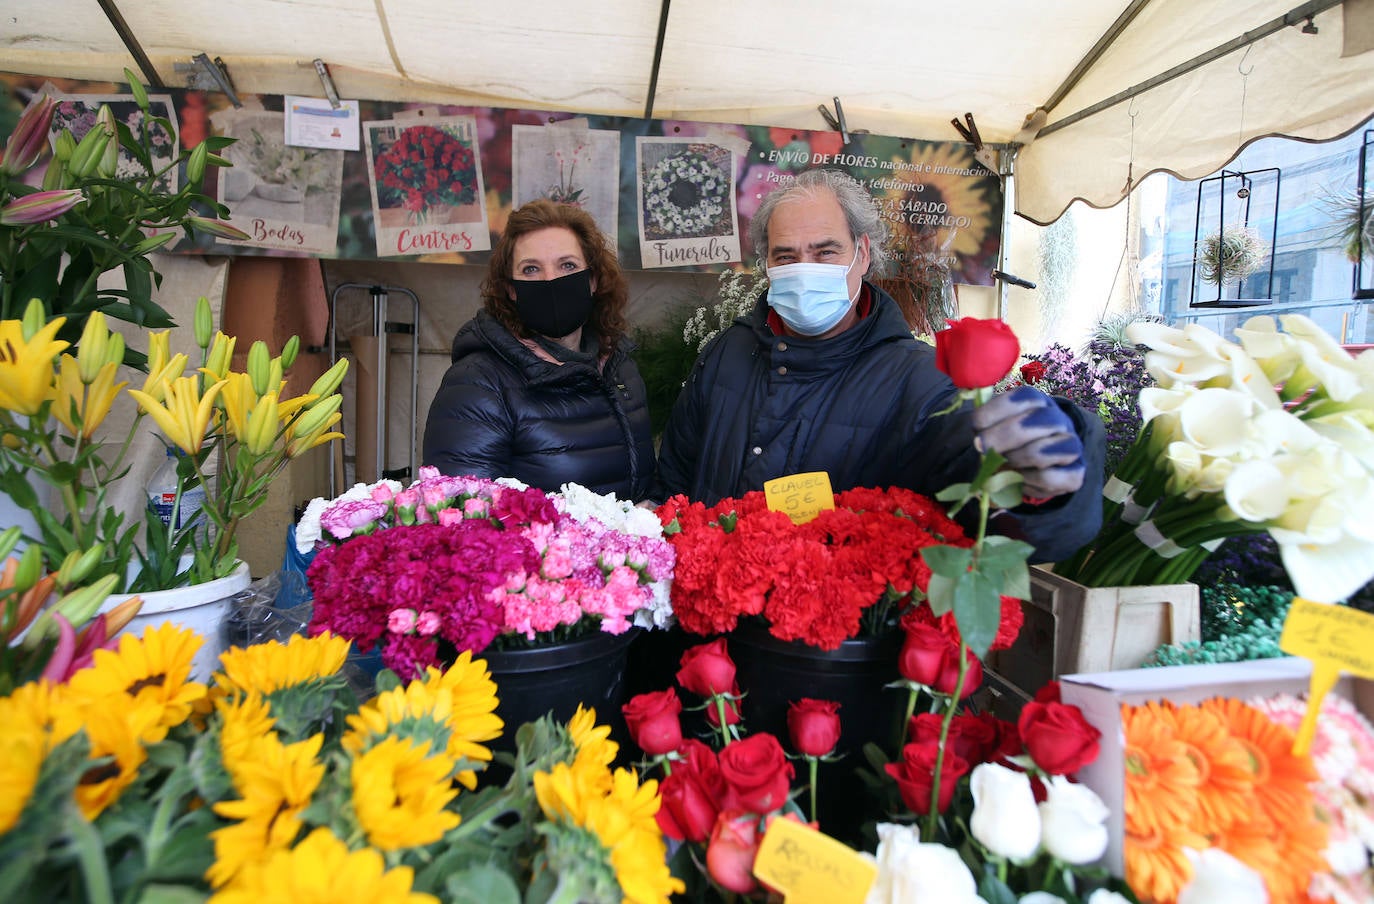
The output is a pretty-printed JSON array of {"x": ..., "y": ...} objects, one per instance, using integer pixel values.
[
  {"x": 940, "y": 594},
  {"x": 992, "y": 889},
  {"x": 954, "y": 491},
  {"x": 949, "y": 561},
  {"x": 171, "y": 894},
  {"x": 977, "y": 610},
  {"x": 486, "y": 884}
]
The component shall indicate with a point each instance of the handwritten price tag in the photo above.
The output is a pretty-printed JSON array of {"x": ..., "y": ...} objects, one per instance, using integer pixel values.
[
  {"x": 1337, "y": 639},
  {"x": 811, "y": 868},
  {"x": 800, "y": 496}
]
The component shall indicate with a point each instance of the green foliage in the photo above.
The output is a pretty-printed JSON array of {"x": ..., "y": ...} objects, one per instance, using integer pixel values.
[
  {"x": 664, "y": 360},
  {"x": 1239, "y": 623}
]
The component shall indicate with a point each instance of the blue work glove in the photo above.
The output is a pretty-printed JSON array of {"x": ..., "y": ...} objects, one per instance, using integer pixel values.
[{"x": 1037, "y": 438}]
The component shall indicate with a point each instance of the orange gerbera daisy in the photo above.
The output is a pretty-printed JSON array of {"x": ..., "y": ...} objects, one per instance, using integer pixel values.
[
  {"x": 1162, "y": 779},
  {"x": 1225, "y": 782},
  {"x": 1156, "y": 867},
  {"x": 1252, "y": 842}
]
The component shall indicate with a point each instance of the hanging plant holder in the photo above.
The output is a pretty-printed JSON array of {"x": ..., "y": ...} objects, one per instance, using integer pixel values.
[
  {"x": 1361, "y": 246},
  {"x": 1234, "y": 236}
]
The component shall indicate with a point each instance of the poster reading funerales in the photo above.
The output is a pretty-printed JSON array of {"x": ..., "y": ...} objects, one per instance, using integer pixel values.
[
  {"x": 686, "y": 191},
  {"x": 426, "y": 179},
  {"x": 284, "y": 197}
]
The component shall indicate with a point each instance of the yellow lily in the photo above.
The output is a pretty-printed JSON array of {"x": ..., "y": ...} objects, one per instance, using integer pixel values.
[
  {"x": 287, "y": 408},
  {"x": 184, "y": 415},
  {"x": 238, "y": 400},
  {"x": 159, "y": 351},
  {"x": 81, "y": 408},
  {"x": 309, "y": 431},
  {"x": 26, "y": 366},
  {"x": 162, "y": 371},
  {"x": 262, "y": 425}
]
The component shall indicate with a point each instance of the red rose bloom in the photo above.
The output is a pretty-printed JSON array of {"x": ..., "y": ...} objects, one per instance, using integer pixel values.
[
  {"x": 731, "y": 710},
  {"x": 653, "y": 723},
  {"x": 691, "y": 794},
  {"x": 916, "y": 769},
  {"x": 1033, "y": 372},
  {"x": 707, "y": 669},
  {"x": 1057, "y": 737},
  {"x": 730, "y": 855},
  {"x": 756, "y": 774},
  {"x": 976, "y": 353},
  {"x": 931, "y": 658},
  {"x": 975, "y": 738},
  {"x": 814, "y": 726}
]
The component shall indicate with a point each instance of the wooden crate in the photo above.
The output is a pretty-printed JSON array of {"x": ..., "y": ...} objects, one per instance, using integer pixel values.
[{"x": 1072, "y": 629}]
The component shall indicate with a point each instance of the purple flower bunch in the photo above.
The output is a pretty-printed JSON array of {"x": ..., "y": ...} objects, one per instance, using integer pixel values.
[
  {"x": 459, "y": 563},
  {"x": 1106, "y": 378}
]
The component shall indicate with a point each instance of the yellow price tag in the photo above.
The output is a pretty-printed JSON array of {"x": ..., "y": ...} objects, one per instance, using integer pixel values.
[
  {"x": 800, "y": 496},
  {"x": 811, "y": 868},
  {"x": 1337, "y": 639}
]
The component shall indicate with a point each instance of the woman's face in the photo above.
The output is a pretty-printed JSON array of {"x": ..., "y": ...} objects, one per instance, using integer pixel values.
[{"x": 547, "y": 254}]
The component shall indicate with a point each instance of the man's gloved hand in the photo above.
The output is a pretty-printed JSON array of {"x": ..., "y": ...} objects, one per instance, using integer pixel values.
[{"x": 1037, "y": 438}]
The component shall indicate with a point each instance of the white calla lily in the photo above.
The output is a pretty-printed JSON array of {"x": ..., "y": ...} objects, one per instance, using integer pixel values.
[
  {"x": 1255, "y": 491},
  {"x": 1218, "y": 421},
  {"x": 1276, "y": 352},
  {"x": 1328, "y": 572}
]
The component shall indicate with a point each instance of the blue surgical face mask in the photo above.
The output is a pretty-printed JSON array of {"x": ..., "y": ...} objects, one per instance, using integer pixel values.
[{"x": 811, "y": 298}]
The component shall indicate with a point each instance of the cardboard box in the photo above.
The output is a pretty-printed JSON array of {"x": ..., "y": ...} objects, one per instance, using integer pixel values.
[{"x": 1100, "y": 696}]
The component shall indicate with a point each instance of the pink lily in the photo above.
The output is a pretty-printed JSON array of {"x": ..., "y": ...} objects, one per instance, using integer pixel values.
[
  {"x": 75, "y": 652},
  {"x": 29, "y": 140},
  {"x": 40, "y": 206},
  {"x": 58, "y": 669}
]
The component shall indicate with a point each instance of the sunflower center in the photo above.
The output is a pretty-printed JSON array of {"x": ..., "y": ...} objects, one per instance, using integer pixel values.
[
  {"x": 98, "y": 774},
  {"x": 157, "y": 680}
]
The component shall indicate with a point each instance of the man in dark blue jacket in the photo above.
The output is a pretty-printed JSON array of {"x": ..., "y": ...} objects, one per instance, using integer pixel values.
[{"x": 824, "y": 375}]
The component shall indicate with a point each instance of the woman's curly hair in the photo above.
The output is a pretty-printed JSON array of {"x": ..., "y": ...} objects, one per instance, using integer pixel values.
[{"x": 612, "y": 292}]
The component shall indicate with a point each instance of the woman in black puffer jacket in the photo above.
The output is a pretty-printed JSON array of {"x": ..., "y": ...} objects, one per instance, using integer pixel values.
[{"x": 542, "y": 387}]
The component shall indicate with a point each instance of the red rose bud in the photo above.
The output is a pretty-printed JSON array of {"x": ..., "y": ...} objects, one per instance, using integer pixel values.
[
  {"x": 653, "y": 723},
  {"x": 707, "y": 669},
  {"x": 690, "y": 795},
  {"x": 923, "y": 654},
  {"x": 915, "y": 771},
  {"x": 1057, "y": 737},
  {"x": 40, "y": 206},
  {"x": 976, "y": 353},
  {"x": 756, "y": 774},
  {"x": 1033, "y": 372},
  {"x": 814, "y": 726},
  {"x": 29, "y": 140}
]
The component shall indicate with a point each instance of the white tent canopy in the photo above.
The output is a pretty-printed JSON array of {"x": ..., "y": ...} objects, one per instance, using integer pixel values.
[{"x": 898, "y": 67}]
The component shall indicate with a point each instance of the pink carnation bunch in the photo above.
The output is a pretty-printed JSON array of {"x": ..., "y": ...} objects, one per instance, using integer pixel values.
[{"x": 453, "y": 563}]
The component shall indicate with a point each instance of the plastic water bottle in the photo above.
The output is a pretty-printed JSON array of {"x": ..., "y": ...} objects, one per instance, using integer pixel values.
[{"x": 162, "y": 493}]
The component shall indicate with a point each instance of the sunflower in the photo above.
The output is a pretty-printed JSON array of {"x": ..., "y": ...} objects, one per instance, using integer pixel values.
[
  {"x": 1162, "y": 779},
  {"x": 153, "y": 670},
  {"x": 116, "y": 728},
  {"x": 242, "y": 720},
  {"x": 452, "y": 710},
  {"x": 322, "y": 870},
  {"x": 400, "y": 793},
  {"x": 271, "y": 666},
  {"x": 275, "y": 782},
  {"x": 23, "y": 746},
  {"x": 591, "y": 740}
]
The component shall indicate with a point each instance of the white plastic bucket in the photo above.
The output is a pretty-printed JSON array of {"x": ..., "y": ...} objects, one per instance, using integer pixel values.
[{"x": 200, "y": 607}]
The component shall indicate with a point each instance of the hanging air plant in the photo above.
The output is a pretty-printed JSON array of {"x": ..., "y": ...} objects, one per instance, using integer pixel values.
[
  {"x": 1231, "y": 255},
  {"x": 1354, "y": 223}
]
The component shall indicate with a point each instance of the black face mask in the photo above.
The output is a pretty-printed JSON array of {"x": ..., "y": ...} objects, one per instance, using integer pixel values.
[{"x": 555, "y": 307}]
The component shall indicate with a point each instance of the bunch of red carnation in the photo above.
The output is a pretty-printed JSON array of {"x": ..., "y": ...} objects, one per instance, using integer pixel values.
[
  {"x": 817, "y": 582},
  {"x": 720, "y": 802}
]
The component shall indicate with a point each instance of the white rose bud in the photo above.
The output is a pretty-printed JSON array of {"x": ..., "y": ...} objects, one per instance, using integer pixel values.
[
  {"x": 1005, "y": 819},
  {"x": 909, "y": 870},
  {"x": 1073, "y": 821},
  {"x": 1219, "y": 878},
  {"x": 1040, "y": 897}
]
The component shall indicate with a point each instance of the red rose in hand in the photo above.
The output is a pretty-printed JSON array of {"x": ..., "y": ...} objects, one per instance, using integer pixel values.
[
  {"x": 707, "y": 669},
  {"x": 756, "y": 774},
  {"x": 814, "y": 726},
  {"x": 916, "y": 769},
  {"x": 653, "y": 721},
  {"x": 731, "y": 852},
  {"x": 975, "y": 353},
  {"x": 690, "y": 795},
  {"x": 1057, "y": 737}
]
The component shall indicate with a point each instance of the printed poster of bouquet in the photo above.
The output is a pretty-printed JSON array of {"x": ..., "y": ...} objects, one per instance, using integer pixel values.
[
  {"x": 571, "y": 164},
  {"x": 427, "y": 195},
  {"x": 283, "y": 196},
  {"x": 686, "y": 194},
  {"x": 77, "y": 113}
]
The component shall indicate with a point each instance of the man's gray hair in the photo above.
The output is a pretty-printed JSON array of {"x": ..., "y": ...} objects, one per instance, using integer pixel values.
[{"x": 860, "y": 212}]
